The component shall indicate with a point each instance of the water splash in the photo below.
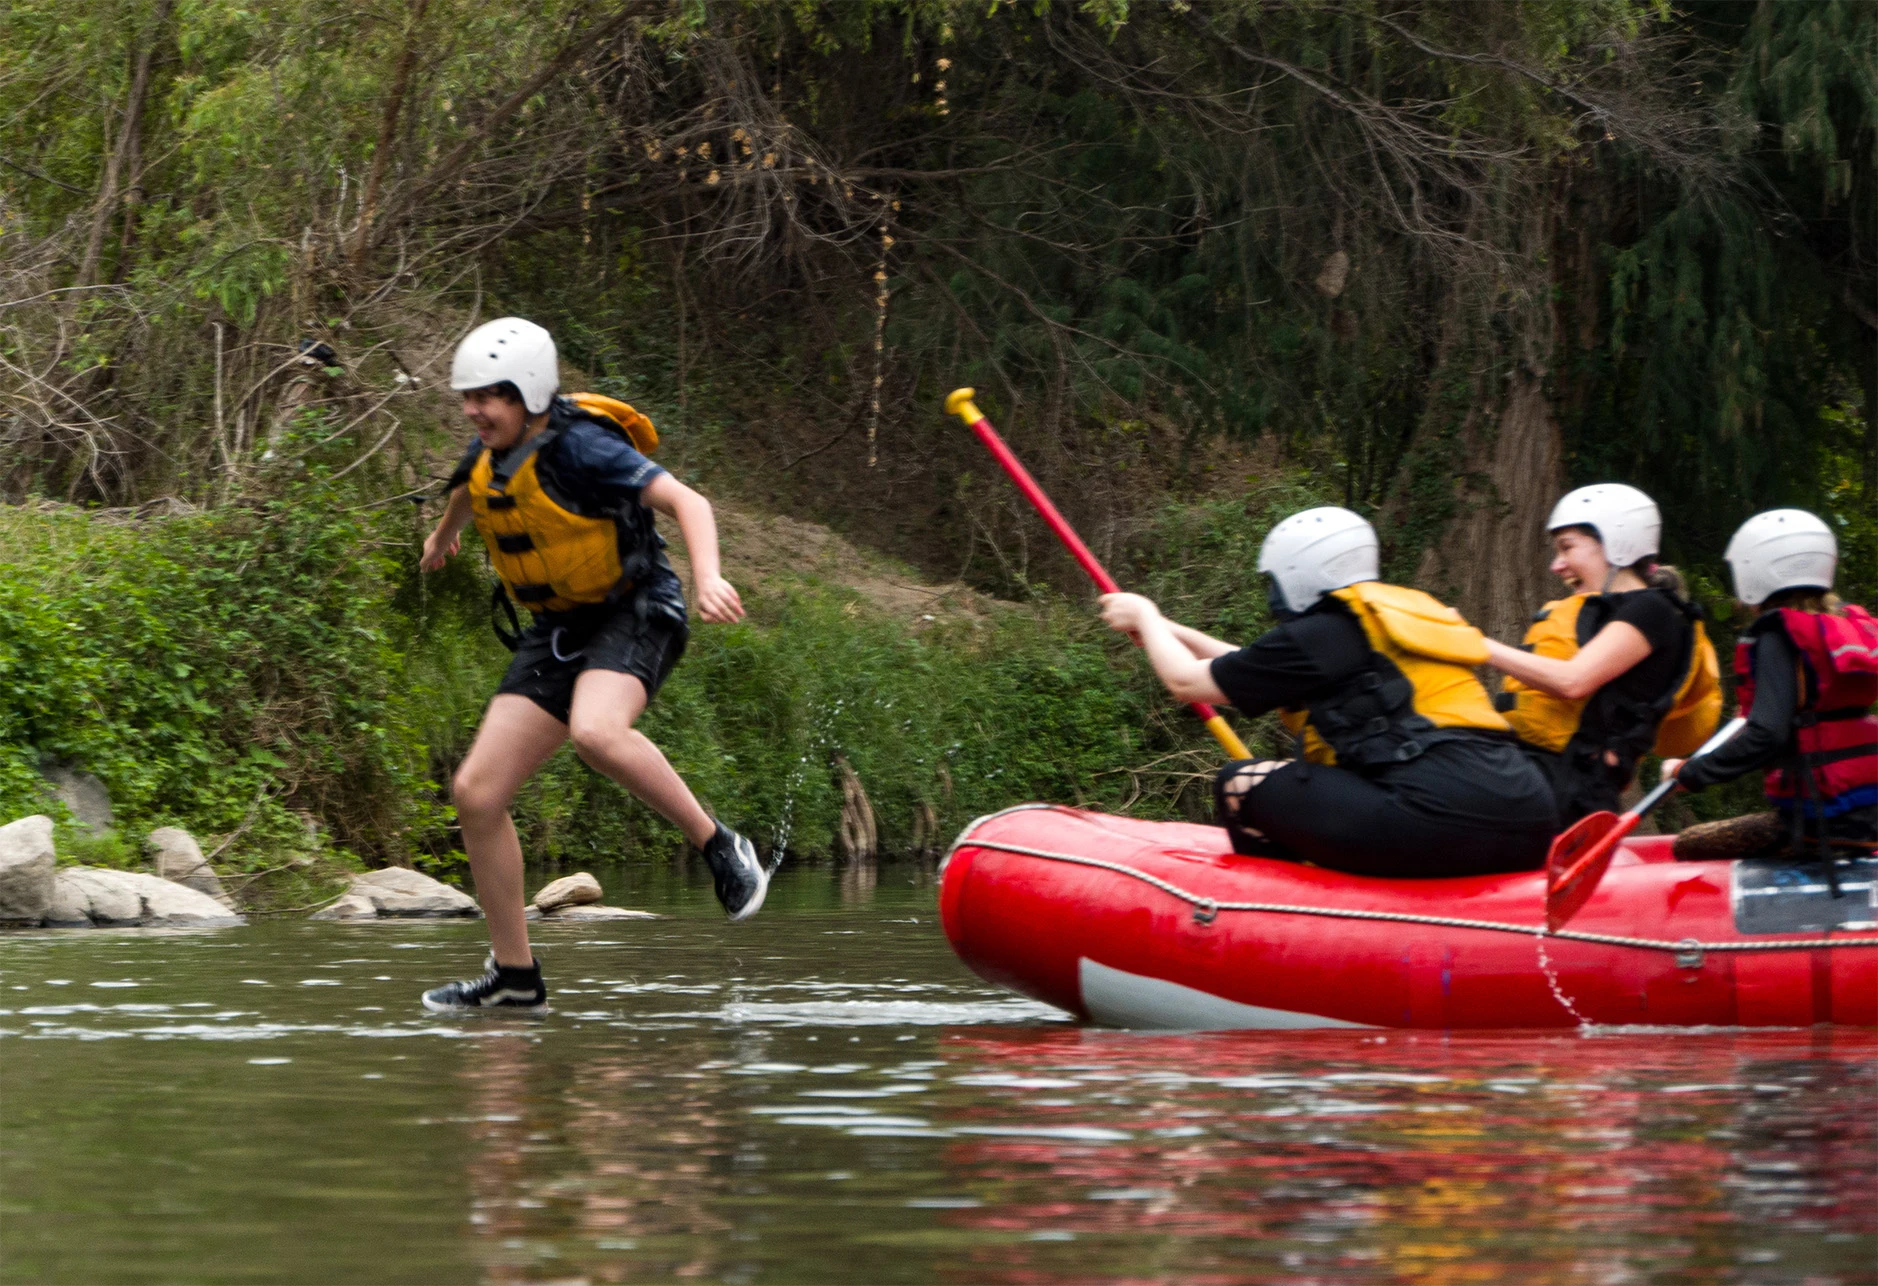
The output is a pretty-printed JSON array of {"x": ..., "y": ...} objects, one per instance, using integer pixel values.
[
  {"x": 820, "y": 738},
  {"x": 1551, "y": 980}
]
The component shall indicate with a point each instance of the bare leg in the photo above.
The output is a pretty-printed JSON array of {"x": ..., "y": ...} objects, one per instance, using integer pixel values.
[
  {"x": 516, "y": 738},
  {"x": 606, "y": 703},
  {"x": 1242, "y": 783}
]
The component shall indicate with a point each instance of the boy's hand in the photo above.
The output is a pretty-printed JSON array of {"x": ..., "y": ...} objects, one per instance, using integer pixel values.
[
  {"x": 718, "y": 602},
  {"x": 437, "y": 550}
]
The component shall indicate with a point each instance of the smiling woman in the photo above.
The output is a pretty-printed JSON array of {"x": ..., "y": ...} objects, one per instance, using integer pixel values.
[{"x": 1621, "y": 668}]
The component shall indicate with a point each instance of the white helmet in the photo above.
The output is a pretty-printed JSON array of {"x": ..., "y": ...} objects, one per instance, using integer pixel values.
[
  {"x": 1781, "y": 549},
  {"x": 1311, "y": 553},
  {"x": 1627, "y": 521},
  {"x": 510, "y": 349}
]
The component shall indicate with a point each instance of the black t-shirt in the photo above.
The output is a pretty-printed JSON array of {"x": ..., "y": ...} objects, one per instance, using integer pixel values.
[
  {"x": 1469, "y": 778},
  {"x": 1294, "y": 661},
  {"x": 1655, "y": 615}
]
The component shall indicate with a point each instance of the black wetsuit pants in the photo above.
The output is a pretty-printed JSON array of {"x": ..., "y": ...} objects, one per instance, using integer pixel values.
[{"x": 1462, "y": 808}]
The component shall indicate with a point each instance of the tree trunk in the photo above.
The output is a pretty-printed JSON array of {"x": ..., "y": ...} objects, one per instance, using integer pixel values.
[
  {"x": 128, "y": 145},
  {"x": 1492, "y": 558},
  {"x": 387, "y": 131}
]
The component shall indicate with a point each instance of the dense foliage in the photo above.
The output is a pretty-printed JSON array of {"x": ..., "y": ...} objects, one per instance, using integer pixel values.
[{"x": 1433, "y": 260}]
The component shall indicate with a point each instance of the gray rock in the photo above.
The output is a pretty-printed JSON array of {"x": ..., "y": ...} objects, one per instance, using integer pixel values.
[
  {"x": 353, "y": 906},
  {"x": 93, "y": 895},
  {"x": 26, "y": 864},
  {"x": 83, "y": 794},
  {"x": 71, "y": 903},
  {"x": 577, "y": 914},
  {"x": 177, "y": 857},
  {"x": 401, "y": 893},
  {"x": 165, "y": 902},
  {"x": 569, "y": 890},
  {"x": 86, "y": 895}
]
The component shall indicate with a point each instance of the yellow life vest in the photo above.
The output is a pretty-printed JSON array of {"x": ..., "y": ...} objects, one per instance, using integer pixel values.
[
  {"x": 1682, "y": 721},
  {"x": 1420, "y": 684},
  {"x": 551, "y": 558}
]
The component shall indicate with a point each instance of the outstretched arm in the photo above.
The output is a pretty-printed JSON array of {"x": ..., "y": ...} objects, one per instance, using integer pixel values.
[
  {"x": 717, "y": 599},
  {"x": 1203, "y": 646},
  {"x": 1188, "y": 675},
  {"x": 1613, "y": 651},
  {"x": 1763, "y": 743},
  {"x": 443, "y": 543}
]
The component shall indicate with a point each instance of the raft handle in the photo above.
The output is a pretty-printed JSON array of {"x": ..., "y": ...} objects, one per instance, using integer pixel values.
[
  {"x": 1689, "y": 954},
  {"x": 1205, "y": 911}
]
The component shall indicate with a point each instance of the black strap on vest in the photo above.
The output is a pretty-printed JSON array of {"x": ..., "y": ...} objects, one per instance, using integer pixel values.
[
  {"x": 500, "y": 606},
  {"x": 1370, "y": 720},
  {"x": 501, "y": 471},
  {"x": 1820, "y": 758}
]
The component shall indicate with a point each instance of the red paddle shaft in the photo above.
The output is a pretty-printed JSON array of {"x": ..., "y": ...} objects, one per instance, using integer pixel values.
[{"x": 960, "y": 404}]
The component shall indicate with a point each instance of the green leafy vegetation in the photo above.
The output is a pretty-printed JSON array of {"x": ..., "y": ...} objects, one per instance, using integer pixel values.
[{"x": 242, "y": 673}]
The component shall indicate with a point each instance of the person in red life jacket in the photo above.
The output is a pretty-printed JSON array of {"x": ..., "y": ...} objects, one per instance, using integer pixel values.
[
  {"x": 1621, "y": 667},
  {"x": 1407, "y": 770},
  {"x": 1806, "y": 675},
  {"x": 564, "y": 501}
]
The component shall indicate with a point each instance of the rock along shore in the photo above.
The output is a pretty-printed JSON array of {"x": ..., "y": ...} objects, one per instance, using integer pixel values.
[{"x": 35, "y": 890}]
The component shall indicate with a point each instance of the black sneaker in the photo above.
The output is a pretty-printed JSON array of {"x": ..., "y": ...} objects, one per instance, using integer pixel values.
[
  {"x": 501, "y": 987},
  {"x": 740, "y": 878}
]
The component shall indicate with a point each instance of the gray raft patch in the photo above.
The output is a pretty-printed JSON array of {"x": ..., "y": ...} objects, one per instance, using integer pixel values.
[{"x": 1782, "y": 896}]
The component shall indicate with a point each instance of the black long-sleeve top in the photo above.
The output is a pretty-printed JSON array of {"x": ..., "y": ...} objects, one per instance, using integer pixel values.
[{"x": 1768, "y": 736}]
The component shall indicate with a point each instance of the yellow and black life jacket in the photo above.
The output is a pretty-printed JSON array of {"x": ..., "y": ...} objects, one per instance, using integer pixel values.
[
  {"x": 551, "y": 556},
  {"x": 1675, "y": 723},
  {"x": 1419, "y": 687}
]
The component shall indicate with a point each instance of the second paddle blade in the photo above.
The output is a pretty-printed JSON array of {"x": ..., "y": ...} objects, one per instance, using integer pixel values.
[{"x": 1568, "y": 889}]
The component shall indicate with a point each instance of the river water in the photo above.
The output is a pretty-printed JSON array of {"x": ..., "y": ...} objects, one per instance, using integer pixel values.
[{"x": 825, "y": 1094}]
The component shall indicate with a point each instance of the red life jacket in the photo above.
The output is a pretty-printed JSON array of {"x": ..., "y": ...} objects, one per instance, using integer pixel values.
[{"x": 1836, "y": 734}]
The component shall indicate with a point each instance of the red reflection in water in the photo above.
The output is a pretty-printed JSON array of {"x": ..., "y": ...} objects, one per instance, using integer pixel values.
[{"x": 1422, "y": 1158}]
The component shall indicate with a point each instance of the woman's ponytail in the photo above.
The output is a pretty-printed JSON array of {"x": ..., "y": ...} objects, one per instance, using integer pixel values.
[{"x": 1662, "y": 576}]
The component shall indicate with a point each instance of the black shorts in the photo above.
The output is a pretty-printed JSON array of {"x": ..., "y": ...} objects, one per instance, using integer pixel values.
[{"x": 555, "y": 651}]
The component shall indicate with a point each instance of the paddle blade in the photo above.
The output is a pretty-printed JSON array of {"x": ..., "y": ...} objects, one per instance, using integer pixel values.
[{"x": 1576, "y": 862}]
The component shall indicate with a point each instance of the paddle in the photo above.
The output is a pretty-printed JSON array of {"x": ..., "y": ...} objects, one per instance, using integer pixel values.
[
  {"x": 1580, "y": 856},
  {"x": 960, "y": 404}
]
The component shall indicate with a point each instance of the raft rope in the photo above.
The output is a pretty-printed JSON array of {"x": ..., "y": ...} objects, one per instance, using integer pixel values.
[{"x": 1205, "y": 909}]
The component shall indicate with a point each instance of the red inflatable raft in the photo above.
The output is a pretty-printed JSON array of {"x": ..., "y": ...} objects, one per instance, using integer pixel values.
[{"x": 1157, "y": 924}]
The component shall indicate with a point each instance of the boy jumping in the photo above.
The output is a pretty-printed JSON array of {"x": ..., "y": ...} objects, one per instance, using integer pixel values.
[{"x": 564, "y": 503}]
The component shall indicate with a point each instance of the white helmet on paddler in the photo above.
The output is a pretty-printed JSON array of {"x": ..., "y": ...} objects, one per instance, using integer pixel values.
[
  {"x": 509, "y": 350},
  {"x": 1311, "y": 553},
  {"x": 1627, "y": 522},
  {"x": 1781, "y": 549}
]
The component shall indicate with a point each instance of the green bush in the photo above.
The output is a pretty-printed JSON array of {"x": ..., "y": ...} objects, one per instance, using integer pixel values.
[
  {"x": 219, "y": 672},
  {"x": 257, "y": 670}
]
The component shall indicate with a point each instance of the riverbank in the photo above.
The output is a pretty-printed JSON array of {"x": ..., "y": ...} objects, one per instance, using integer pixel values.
[{"x": 275, "y": 678}]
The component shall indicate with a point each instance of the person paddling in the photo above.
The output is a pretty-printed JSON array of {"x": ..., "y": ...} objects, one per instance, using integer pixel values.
[
  {"x": 1619, "y": 668},
  {"x": 1806, "y": 675},
  {"x": 1408, "y": 770},
  {"x": 564, "y": 503}
]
